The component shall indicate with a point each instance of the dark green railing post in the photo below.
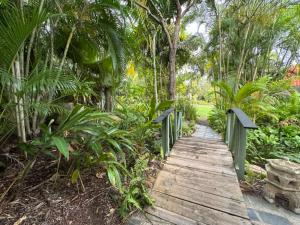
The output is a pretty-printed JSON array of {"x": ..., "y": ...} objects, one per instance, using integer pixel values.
[
  {"x": 229, "y": 128},
  {"x": 179, "y": 122},
  {"x": 240, "y": 151},
  {"x": 165, "y": 135},
  {"x": 236, "y": 138},
  {"x": 171, "y": 134},
  {"x": 175, "y": 126},
  {"x": 169, "y": 131}
]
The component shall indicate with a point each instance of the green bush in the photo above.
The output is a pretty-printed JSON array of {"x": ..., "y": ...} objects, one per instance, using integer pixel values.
[
  {"x": 271, "y": 142},
  {"x": 188, "y": 128},
  {"x": 188, "y": 109},
  {"x": 217, "y": 120}
]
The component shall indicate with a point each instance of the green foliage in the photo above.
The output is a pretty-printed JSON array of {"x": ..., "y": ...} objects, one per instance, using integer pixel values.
[
  {"x": 281, "y": 142},
  {"x": 217, "y": 120},
  {"x": 15, "y": 27},
  {"x": 188, "y": 128},
  {"x": 135, "y": 194},
  {"x": 188, "y": 109},
  {"x": 252, "y": 177}
]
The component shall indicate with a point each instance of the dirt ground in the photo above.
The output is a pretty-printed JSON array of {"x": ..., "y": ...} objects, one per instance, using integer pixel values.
[
  {"x": 45, "y": 199},
  {"x": 38, "y": 200}
]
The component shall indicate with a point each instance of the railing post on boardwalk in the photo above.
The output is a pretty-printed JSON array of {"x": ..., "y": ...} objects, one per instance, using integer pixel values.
[
  {"x": 169, "y": 132},
  {"x": 165, "y": 135},
  {"x": 175, "y": 126},
  {"x": 236, "y": 138},
  {"x": 179, "y": 122}
]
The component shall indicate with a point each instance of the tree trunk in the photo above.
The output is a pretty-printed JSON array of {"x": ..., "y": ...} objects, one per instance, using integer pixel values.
[
  {"x": 20, "y": 103},
  {"x": 172, "y": 73},
  {"x": 108, "y": 99},
  {"x": 154, "y": 68},
  {"x": 172, "y": 55},
  {"x": 67, "y": 48}
]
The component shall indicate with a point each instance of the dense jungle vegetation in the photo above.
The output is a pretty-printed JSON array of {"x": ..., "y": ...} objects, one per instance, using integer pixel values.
[{"x": 82, "y": 81}]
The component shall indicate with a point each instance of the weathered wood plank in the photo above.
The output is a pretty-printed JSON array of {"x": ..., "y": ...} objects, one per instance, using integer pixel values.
[
  {"x": 222, "y": 159},
  {"x": 207, "y": 140},
  {"x": 200, "y": 148},
  {"x": 228, "y": 205},
  {"x": 171, "y": 216},
  {"x": 146, "y": 219},
  {"x": 197, "y": 212},
  {"x": 207, "y": 184},
  {"x": 191, "y": 173},
  {"x": 201, "y": 151},
  {"x": 199, "y": 165},
  {"x": 202, "y": 141}
]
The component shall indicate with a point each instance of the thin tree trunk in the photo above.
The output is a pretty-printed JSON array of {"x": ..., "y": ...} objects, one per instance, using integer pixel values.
[
  {"x": 220, "y": 47},
  {"x": 239, "y": 72},
  {"x": 67, "y": 48},
  {"x": 14, "y": 89},
  {"x": 154, "y": 68},
  {"x": 172, "y": 73},
  {"x": 108, "y": 99},
  {"x": 20, "y": 103}
]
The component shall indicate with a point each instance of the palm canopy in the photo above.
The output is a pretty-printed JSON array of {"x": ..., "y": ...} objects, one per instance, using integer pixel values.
[{"x": 16, "y": 25}]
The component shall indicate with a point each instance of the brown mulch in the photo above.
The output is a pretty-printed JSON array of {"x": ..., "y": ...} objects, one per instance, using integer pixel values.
[
  {"x": 40, "y": 200},
  {"x": 255, "y": 188}
]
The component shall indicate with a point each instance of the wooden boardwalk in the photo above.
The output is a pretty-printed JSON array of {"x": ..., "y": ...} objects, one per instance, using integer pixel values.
[{"x": 197, "y": 185}]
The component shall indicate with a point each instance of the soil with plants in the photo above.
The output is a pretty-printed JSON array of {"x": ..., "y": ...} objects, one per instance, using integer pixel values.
[
  {"x": 43, "y": 198},
  {"x": 46, "y": 198}
]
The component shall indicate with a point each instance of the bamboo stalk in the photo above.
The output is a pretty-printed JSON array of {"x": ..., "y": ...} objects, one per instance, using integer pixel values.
[{"x": 20, "y": 102}]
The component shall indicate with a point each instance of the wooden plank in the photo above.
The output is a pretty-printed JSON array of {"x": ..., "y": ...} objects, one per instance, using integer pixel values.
[
  {"x": 201, "y": 150},
  {"x": 146, "y": 219},
  {"x": 197, "y": 212},
  {"x": 203, "y": 145},
  {"x": 170, "y": 216},
  {"x": 205, "y": 159},
  {"x": 198, "y": 165},
  {"x": 207, "y": 184},
  {"x": 203, "y": 156},
  {"x": 207, "y": 140},
  {"x": 191, "y": 173},
  {"x": 228, "y": 205},
  {"x": 201, "y": 140}
]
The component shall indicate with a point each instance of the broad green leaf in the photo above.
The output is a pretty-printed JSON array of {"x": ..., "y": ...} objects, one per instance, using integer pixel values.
[
  {"x": 114, "y": 177},
  {"x": 61, "y": 145},
  {"x": 75, "y": 176}
]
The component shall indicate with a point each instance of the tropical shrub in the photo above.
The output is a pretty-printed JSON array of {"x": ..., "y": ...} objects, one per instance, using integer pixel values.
[
  {"x": 135, "y": 192},
  {"x": 274, "y": 107},
  {"x": 217, "y": 120},
  {"x": 188, "y": 109}
]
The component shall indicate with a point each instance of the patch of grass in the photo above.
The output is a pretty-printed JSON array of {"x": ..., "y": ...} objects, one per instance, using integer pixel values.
[{"x": 203, "y": 110}]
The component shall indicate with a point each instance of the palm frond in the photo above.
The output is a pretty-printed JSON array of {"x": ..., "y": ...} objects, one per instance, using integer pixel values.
[{"x": 15, "y": 27}]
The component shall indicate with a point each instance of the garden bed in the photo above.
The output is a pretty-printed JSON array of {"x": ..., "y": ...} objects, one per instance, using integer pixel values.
[{"x": 39, "y": 200}]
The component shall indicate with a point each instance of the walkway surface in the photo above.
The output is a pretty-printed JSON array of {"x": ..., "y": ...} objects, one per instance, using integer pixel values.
[{"x": 197, "y": 185}]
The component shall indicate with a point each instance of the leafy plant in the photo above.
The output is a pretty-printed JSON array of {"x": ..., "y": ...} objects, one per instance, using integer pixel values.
[
  {"x": 217, "y": 120},
  {"x": 135, "y": 194}
]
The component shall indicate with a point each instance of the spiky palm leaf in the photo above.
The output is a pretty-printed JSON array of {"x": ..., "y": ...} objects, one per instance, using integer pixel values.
[{"x": 15, "y": 27}]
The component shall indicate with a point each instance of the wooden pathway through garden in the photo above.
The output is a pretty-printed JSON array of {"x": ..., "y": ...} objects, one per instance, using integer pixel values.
[{"x": 197, "y": 185}]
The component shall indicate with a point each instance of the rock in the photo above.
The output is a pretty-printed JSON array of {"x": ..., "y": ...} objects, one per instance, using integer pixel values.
[{"x": 257, "y": 170}]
